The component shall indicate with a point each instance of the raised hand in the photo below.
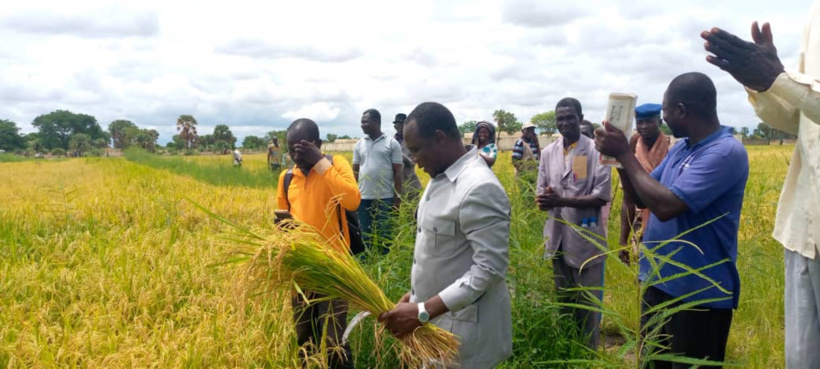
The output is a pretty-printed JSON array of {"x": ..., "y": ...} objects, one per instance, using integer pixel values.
[
  {"x": 753, "y": 64},
  {"x": 308, "y": 154}
]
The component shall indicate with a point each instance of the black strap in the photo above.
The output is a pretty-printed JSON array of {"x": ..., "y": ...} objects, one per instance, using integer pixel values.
[{"x": 289, "y": 179}]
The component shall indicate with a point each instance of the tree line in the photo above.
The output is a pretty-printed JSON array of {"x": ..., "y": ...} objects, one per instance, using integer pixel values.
[{"x": 62, "y": 132}]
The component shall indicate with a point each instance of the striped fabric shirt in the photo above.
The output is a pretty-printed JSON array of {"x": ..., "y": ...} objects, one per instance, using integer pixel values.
[{"x": 518, "y": 150}]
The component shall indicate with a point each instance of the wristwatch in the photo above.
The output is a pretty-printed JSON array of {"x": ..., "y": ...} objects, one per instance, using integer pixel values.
[{"x": 424, "y": 316}]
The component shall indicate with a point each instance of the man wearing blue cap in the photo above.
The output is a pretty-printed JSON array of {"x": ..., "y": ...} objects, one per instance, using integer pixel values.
[{"x": 650, "y": 146}]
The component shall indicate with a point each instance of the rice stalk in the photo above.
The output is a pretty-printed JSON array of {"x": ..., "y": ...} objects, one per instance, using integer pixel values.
[{"x": 300, "y": 259}]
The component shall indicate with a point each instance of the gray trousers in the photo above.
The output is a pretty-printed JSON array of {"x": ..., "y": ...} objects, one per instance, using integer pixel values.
[
  {"x": 567, "y": 277},
  {"x": 802, "y": 302}
]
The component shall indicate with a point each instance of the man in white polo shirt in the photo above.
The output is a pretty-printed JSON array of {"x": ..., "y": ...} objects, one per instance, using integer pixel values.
[{"x": 377, "y": 165}]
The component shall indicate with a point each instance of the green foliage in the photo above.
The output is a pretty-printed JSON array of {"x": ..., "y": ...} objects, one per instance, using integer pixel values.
[
  {"x": 146, "y": 139},
  {"x": 12, "y": 158},
  {"x": 332, "y": 137},
  {"x": 58, "y": 152},
  {"x": 10, "y": 138},
  {"x": 80, "y": 143},
  {"x": 122, "y": 132},
  {"x": 768, "y": 133},
  {"x": 100, "y": 143},
  {"x": 763, "y": 130},
  {"x": 223, "y": 134},
  {"x": 467, "y": 127},
  {"x": 186, "y": 126},
  {"x": 253, "y": 142},
  {"x": 57, "y": 128},
  {"x": 744, "y": 131},
  {"x": 221, "y": 173},
  {"x": 35, "y": 146},
  {"x": 666, "y": 130},
  {"x": 506, "y": 121},
  {"x": 545, "y": 122}
]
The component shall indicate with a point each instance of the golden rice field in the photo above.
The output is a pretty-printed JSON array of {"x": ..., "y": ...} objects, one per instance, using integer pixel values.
[{"x": 104, "y": 264}]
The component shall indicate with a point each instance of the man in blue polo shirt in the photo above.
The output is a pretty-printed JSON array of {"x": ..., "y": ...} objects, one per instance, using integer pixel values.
[{"x": 695, "y": 196}]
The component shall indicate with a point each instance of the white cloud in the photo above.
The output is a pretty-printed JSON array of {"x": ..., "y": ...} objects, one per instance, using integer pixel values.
[
  {"x": 106, "y": 23},
  {"x": 320, "y": 111},
  {"x": 257, "y": 66}
]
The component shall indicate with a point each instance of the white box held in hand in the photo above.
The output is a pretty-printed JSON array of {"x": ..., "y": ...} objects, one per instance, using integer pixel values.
[{"x": 620, "y": 112}]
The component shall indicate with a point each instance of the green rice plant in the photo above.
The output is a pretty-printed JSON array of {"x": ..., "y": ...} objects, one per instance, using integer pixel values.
[
  {"x": 219, "y": 171},
  {"x": 645, "y": 342},
  {"x": 129, "y": 279}
]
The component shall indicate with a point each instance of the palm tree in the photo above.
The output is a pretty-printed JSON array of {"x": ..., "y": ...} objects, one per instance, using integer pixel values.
[{"x": 186, "y": 126}]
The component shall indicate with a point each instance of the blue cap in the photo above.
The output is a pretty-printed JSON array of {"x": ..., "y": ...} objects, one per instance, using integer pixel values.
[{"x": 647, "y": 111}]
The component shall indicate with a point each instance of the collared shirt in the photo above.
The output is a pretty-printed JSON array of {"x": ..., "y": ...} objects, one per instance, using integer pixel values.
[
  {"x": 710, "y": 178},
  {"x": 577, "y": 173},
  {"x": 461, "y": 255},
  {"x": 375, "y": 159},
  {"x": 518, "y": 150},
  {"x": 567, "y": 151},
  {"x": 792, "y": 105},
  {"x": 314, "y": 198}
]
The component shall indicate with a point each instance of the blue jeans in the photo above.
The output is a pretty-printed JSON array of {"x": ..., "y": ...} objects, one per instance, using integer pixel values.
[{"x": 376, "y": 218}]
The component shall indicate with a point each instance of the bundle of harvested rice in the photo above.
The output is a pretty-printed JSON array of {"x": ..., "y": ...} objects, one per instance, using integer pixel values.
[{"x": 299, "y": 258}]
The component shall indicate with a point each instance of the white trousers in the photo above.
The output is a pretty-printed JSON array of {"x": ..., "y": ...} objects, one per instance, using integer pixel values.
[{"x": 802, "y": 303}]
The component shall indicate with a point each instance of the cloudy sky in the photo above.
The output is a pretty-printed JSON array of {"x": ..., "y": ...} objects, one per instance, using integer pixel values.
[{"x": 256, "y": 66}]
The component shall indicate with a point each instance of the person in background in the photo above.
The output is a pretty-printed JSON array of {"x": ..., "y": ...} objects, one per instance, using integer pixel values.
[
  {"x": 588, "y": 129},
  {"x": 694, "y": 196},
  {"x": 650, "y": 146},
  {"x": 525, "y": 155},
  {"x": 790, "y": 102},
  {"x": 458, "y": 277},
  {"x": 237, "y": 158},
  {"x": 573, "y": 187},
  {"x": 318, "y": 191},
  {"x": 484, "y": 140},
  {"x": 274, "y": 163},
  {"x": 410, "y": 181},
  {"x": 377, "y": 166}
]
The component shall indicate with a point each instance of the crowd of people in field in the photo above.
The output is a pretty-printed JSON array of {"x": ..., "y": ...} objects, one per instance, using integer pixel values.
[{"x": 674, "y": 196}]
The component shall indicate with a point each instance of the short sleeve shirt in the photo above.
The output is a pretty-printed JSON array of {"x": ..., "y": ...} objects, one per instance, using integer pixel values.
[
  {"x": 518, "y": 150},
  {"x": 710, "y": 178},
  {"x": 490, "y": 150},
  {"x": 375, "y": 159}
]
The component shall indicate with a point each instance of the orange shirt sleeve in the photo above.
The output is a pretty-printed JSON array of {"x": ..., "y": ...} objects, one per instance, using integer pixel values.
[{"x": 340, "y": 181}]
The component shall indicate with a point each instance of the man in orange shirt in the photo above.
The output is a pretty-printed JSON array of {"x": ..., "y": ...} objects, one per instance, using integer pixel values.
[{"x": 315, "y": 197}]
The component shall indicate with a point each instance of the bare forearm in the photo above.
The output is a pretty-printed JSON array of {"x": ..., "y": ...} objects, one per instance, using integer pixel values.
[
  {"x": 588, "y": 201},
  {"x": 435, "y": 306},
  {"x": 397, "y": 184}
]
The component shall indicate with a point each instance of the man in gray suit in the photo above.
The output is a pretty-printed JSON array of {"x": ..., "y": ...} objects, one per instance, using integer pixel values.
[
  {"x": 462, "y": 243},
  {"x": 573, "y": 186}
]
